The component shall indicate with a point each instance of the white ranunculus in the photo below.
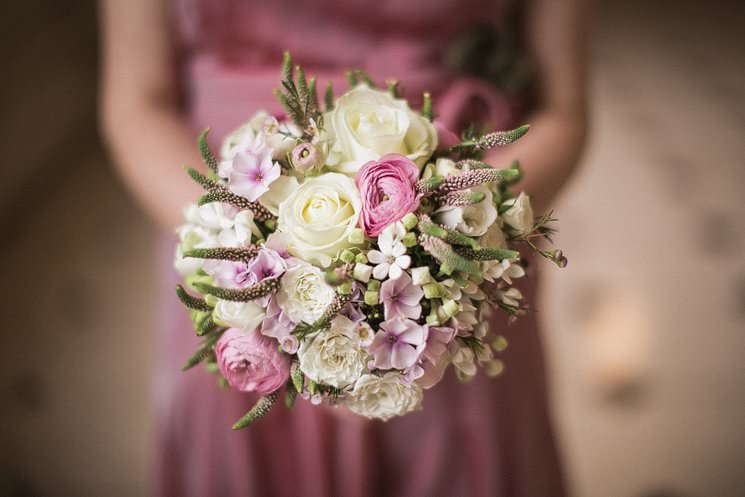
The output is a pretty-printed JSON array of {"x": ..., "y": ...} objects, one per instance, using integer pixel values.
[
  {"x": 319, "y": 216},
  {"x": 279, "y": 189},
  {"x": 366, "y": 124},
  {"x": 336, "y": 356},
  {"x": 520, "y": 214},
  {"x": 471, "y": 220},
  {"x": 384, "y": 397},
  {"x": 303, "y": 293},
  {"x": 244, "y": 315}
]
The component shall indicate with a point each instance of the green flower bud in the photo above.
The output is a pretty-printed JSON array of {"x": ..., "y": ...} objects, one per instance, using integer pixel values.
[
  {"x": 373, "y": 285},
  {"x": 361, "y": 259},
  {"x": 432, "y": 291},
  {"x": 409, "y": 220},
  {"x": 347, "y": 256},
  {"x": 362, "y": 272},
  {"x": 420, "y": 275},
  {"x": 357, "y": 236},
  {"x": 345, "y": 288},
  {"x": 409, "y": 239},
  {"x": 371, "y": 298},
  {"x": 450, "y": 307}
]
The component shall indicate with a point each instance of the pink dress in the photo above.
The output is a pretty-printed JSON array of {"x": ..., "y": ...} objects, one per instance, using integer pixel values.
[{"x": 491, "y": 437}]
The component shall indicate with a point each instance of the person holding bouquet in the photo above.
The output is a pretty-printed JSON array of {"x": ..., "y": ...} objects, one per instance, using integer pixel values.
[{"x": 173, "y": 68}]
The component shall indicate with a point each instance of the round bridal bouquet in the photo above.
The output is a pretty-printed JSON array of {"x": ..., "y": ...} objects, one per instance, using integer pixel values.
[{"x": 352, "y": 251}]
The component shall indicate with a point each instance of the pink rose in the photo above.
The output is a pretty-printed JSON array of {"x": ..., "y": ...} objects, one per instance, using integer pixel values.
[
  {"x": 250, "y": 362},
  {"x": 387, "y": 190}
]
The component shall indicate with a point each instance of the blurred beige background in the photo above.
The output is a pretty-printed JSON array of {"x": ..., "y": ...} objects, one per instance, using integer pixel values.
[{"x": 645, "y": 329}]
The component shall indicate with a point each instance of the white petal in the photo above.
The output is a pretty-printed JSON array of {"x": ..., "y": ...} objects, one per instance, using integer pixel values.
[
  {"x": 397, "y": 250},
  {"x": 375, "y": 257},
  {"x": 395, "y": 272},
  {"x": 381, "y": 271},
  {"x": 403, "y": 261}
]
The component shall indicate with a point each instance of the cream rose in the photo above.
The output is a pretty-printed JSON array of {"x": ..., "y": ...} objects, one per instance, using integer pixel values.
[
  {"x": 520, "y": 214},
  {"x": 319, "y": 216},
  {"x": 244, "y": 315},
  {"x": 366, "y": 124},
  {"x": 336, "y": 356},
  {"x": 384, "y": 397},
  {"x": 471, "y": 220},
  {"x": 303, "y": 294}
]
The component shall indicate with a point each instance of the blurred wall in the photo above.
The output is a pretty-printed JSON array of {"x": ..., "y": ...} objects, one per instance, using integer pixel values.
[{"x": 645, "y": 327}]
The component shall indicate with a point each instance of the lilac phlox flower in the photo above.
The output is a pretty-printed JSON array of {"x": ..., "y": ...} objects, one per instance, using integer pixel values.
[
  {"x": 401, "y": 298},
  {"x": 229, "y": 274},
  {"x": 398, "y": 344},
  {"x": 278, "y": 325},
  {"x": 251, "y": 169},
  {"x": 434, "y": 359}
]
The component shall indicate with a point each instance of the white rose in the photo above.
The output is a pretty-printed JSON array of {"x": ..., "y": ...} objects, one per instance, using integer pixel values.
[
  {"x": 303, "y": 293},
  {"x": 471, "y": 220},
  {"x": 520, "y": 214},
  {"x": 319, "y": 216},
  {"x": 244, "y": 315},
  {"x": 335, "y": 356},
  {"x": 366, "y": 124},
  {"x": 280, "y": 189},
  {"x": 383, "y": 397}
]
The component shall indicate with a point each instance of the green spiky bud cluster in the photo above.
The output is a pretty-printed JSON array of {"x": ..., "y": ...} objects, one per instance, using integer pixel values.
[
  {"x": 191, "y": 302},
  {"x": 241, "y": 294},
  {"x": 208, "y": 157},
  {"x": 235, "y": 254},
  {"x": 449, "y": 260},
  {"x": 258, "y": 411},
  {"x": 462, "y": 198},
  {"x": 427, "y": 227},
  {"x": 488, "y": 254},
  {"x": 260, "y": 212}
]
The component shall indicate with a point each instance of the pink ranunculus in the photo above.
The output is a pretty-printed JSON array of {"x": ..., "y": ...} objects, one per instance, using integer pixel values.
[
  {"x": 387, "y": 190},
  {"x": 250, "y": 362}
]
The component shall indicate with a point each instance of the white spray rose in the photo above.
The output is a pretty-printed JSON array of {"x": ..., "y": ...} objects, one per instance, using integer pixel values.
[
  {"x": 471, "y": 220},
  {"x": 211, "y": 225},
  {"x": 336, "y": 356},
  {"x": 303, "y": 293},
  {"x": 244, "y": 315},
  {"x": 280, "y": 137},
  {"x": 384, "y": 397},
  {"x": 319, "y": 216},
  {"x": 366, "y": 124},
  {"x": 520, "y": 214}
]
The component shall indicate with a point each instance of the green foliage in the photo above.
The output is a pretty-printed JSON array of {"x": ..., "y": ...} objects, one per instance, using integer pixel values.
[{"x": 297, "y": 96}]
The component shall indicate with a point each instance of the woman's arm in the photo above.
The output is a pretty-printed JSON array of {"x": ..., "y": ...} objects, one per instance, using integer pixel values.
[
  {"x": 140, "y": 115},
  {"x": 557, "y": 33}
]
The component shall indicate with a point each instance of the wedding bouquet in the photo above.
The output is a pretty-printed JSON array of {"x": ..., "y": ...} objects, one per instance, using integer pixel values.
[{"x": 349, "y": 253}]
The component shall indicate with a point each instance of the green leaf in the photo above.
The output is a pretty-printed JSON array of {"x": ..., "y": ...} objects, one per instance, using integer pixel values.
[{"x": 427, "y": 111}]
